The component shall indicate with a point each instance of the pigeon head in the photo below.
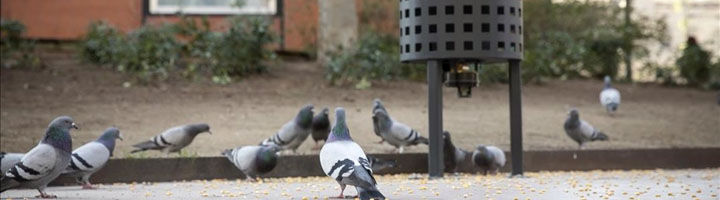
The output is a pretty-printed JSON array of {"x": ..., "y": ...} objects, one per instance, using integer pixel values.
[
  {"x": 446, "y": 139},
  {"x": 268, "y": 151},
  {"x": 108, "y": 138},
  {"x": 325, "y": 111},
  {"x": 573, "y": 114},
  {"x": 484, "y": 154},
  {"x": 228, "y": 153},
  {"x": 340, "y": 131},
  {"x": 195, "y": 129},
  {"x": 607, "y": 81},
  {"x": 63, "y": 123},
  {"x": 58, "y": 133},
  {"x": 304, "y": 117},
  {"x": 377, "y": 105}
]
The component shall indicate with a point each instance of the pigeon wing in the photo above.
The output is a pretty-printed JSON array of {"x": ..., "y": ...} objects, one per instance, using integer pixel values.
[
  {"x": 36, "y": 164},
  {"x": 89, "y": 158}
]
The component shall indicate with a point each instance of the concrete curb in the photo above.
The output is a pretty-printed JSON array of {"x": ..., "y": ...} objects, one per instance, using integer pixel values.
[{"x": 177, "y": 169}]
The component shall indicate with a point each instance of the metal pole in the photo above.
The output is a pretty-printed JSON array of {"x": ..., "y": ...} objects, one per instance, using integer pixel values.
[
  {"x": 435, "y": 156},
  {"x": 516, "y": 148}
]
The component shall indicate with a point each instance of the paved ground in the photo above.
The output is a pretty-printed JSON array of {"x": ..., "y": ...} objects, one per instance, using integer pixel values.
[{"x": 648, "y": 184}]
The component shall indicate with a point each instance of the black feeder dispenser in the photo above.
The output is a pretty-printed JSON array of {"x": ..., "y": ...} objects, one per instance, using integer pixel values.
[
  {"x": 461, "y": 76},
  {"x": 459, "y": 34}
]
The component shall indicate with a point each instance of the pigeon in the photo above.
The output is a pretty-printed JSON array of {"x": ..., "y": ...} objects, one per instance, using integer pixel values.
[
  {"x": 378, "y": 164},
  {"x": 609, "y": 97},
  {"x": 453, "y": 156},
  {"x": 8, "y": 160},
  {"x": 294, "y": 132},
  {"x": 45, "y": 162},
  {"x": 320, "y": 127},
  {"x": 488, "y": 158},
  {"x": 344, "y": 160},
  {"x": 91, "y": 157},
  {"x": 581, "y": 131},
  {"x": 396, "y": 133},
  {"x": 253, "y": 160},
  {"x": 173, "y": 139},
  {"x": 377, "y": 105}
]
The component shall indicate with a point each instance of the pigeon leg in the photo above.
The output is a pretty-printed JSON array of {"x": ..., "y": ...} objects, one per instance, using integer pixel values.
[
  {"x": 86, "y": 182},
  {"x": 45, "y": 195},
  {"x": 342, "y": 190},
  {"x": 317, "y": 146},
  {"x": 400, "y": 150}
]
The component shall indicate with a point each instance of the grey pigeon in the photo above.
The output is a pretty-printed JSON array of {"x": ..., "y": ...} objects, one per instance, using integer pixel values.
[
  {"x": 8, "y": 160},
  {"x": 320, "y": 127},
  {"x": 452, "y": 155},
  {"x": 396, "y": 133},
  {"x": 377, "y": 105},
  {"x": 45, "y": 162},
  {"x": 344, "y": 160},
  {"x": 581, "y": 131},
  {"x": 378, "y": 164},
  {"x": 294, "y": 132},
  {"x": 91, "y": 157},
  {"x": 609, "y": 97},
  {"x": 253, "y": 160},
  {"x": 173, "y": 139},
  {"x": 488, "y": 158}
]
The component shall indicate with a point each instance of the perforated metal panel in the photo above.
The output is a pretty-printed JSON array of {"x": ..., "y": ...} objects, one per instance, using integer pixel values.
[{"x": 479, "y": 30}]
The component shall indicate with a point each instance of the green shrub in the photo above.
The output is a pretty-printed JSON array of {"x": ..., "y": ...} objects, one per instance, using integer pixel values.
[
  {"x": 15, "y": 50},
  {"x": 372, "y": 57},
  {"x": 152, "y": 52},
  {"x": 242, "y": 49},
  {"x": 694, "y": 64},
  {"x": 102, "y": 44}
]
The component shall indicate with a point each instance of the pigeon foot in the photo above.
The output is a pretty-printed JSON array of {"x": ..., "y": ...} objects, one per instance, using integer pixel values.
[
  {"x": 88, "y": 187},
  {"x": 46, "y": 196}
]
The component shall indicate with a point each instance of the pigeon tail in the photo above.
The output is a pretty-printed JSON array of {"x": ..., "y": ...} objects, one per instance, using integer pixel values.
[
  {"x": 369, "y": 193},
  {"x": 7, "y": 183},
  {"x": 600, "y": 136},
  {"x": 422, "y": 140},
  {"x": 144, "y": 146},
  {"x": 612, "y": 107}
]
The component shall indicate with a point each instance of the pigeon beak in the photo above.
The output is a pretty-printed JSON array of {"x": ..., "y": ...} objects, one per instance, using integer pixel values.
[
  {"x": 75, "y": 126},
  {"x": 210, "y": 132},
  {"x": 119, "y": 137}
]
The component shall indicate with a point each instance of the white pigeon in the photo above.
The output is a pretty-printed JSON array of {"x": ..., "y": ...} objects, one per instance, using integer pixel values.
[
  {"x": 173, "y": 139},
  {"x": 581, "y": 131},
  {"x": 91, "y": 157},
  {"x": 609, "y": 97},
  {"x": 344, "y": 160},
  {"x": 8, "y": 160},
  {"x": 253, "y": 160},
  {"x": 396, "y": 133},
  {"x": 294, "y": 132},
  {"x": 45, "y": 162},
  {"x": 488, "y": 158}
]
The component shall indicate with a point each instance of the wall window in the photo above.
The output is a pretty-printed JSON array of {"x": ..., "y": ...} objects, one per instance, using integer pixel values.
[{"x": 213, "y": 7}]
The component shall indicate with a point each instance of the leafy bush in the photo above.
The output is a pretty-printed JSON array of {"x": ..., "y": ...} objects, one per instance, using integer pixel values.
[
  {"x": 373, "y": 57},
  {"x": 14, "y": 50},
  {"x": 152, "y": 52},
  {"x": 242, "y": 49},
  {"x": 559, "y": 42},
  {"x": 102, "y": 44},
  {"x": 694, "y": 64}
]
